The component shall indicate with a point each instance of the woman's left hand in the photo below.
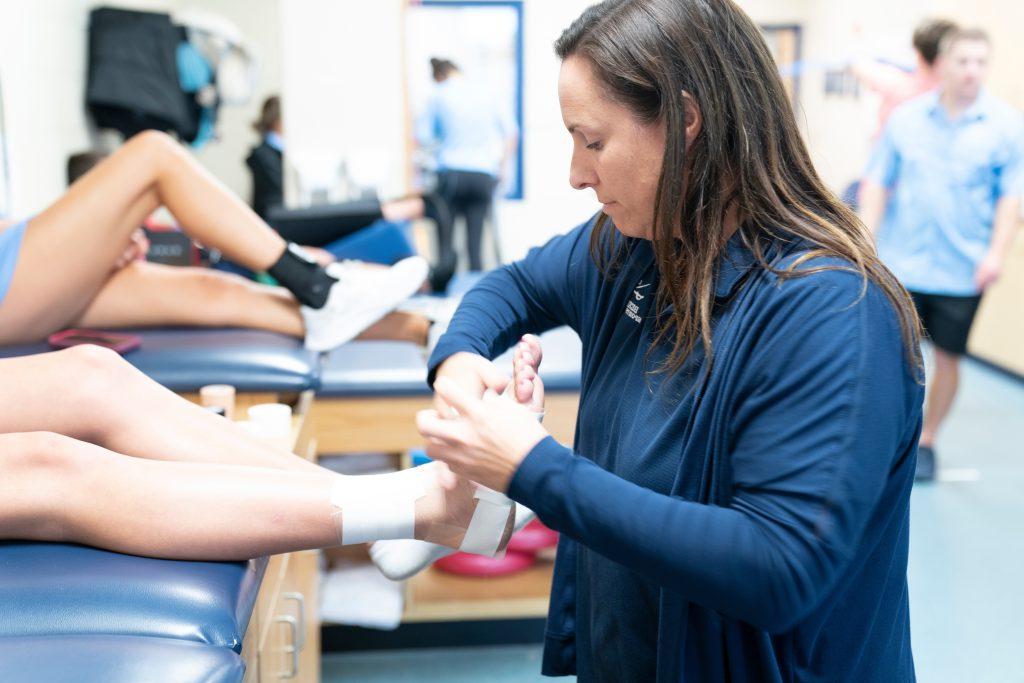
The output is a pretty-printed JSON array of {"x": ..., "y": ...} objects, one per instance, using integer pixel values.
[{"x": 488, "y": 438}]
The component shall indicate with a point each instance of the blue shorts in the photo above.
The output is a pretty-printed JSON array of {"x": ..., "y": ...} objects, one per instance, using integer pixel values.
[{"x": 10, "y": 246}]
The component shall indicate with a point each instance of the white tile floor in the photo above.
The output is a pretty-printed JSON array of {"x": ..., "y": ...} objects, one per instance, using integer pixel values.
[{"x": 966, "y": 563}]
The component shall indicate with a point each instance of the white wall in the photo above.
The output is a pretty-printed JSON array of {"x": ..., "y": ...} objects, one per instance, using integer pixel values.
[
  {"x": 42, "y": 71},
  {"x": 549, "y": 205},
  {"x": 343, "y": 97}
]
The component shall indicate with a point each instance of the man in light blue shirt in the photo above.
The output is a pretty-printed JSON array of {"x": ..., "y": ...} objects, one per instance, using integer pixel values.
[
  {"x": 473, "y": 138},
  {"x": 949, "y": 168}
]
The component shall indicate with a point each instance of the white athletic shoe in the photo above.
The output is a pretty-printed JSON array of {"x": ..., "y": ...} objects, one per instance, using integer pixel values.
[
  {"x": 402, "y": 558},
  {"x": 361, "y": 297}
]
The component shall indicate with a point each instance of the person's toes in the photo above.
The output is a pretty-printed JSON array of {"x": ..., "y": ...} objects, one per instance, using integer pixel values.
[
  {"x": 537, "y": 399},
  {"x": 528, "y": 351},
  {"x": 524, "y": 391},
  {"x": 524, "y": 380}
]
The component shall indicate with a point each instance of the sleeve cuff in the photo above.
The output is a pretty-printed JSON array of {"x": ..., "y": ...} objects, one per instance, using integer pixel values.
[
  {"x": 534, "y": 483},
  {"x": 446, "y": 347}
]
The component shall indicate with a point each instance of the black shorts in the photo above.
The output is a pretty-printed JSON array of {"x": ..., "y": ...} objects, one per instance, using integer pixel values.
[{"x": 947, "y": 319}]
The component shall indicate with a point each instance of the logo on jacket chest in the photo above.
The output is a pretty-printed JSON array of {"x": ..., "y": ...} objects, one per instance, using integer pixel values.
[{"x": 640, "y": 293}]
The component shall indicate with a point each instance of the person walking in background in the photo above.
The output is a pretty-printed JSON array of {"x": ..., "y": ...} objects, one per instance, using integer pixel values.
[
  {"x": 949, "y": 167},
  {"x": 896, "y": 85},
  {"x": 473, "y": 139}
]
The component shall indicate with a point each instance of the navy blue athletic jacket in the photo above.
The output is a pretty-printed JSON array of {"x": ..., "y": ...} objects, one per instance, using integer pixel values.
[{"x": 748, "y": 524}]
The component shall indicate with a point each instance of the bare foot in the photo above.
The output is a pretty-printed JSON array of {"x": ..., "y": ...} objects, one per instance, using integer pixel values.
[
  {"x": 526, "y": 386},
  {"x": 444, "y": 513}
]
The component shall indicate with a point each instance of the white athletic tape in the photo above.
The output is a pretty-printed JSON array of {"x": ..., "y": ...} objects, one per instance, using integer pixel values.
[
  {"x": 377, "y": 507},
  {"x": 487, "y": 524}
]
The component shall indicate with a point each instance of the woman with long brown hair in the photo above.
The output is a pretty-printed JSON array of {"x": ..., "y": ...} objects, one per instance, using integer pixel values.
[{"x": 735, "y": 506}]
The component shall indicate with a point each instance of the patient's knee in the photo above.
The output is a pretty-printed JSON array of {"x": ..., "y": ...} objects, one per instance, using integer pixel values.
[
  {"x": 154, "y": 142},
  {"x": 43, "y": 454},
  {"x": 88, "y": 365},
  {"x": 38, "y": 471},
  {"x": 93, "y": 378}
]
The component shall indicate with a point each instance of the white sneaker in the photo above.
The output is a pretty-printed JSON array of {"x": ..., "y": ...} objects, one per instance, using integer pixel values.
[{"x": 361, "y": 297}]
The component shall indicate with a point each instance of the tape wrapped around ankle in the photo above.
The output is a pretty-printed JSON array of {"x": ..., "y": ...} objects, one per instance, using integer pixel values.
[
  {"x": 376, "y": 507},
  {"x": 487, "y": 526}
]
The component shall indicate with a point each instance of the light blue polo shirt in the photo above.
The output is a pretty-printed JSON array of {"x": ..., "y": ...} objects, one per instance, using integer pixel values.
[
  {"x": 945, "y": 177},
  {"x": 467, "y": 125}
]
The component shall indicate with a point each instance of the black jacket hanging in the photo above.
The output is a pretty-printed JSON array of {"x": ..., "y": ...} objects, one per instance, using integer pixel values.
[{"x": 133, "y": 75}]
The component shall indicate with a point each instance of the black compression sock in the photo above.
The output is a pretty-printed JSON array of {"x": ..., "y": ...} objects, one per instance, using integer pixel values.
[{"x": 304, "y": 277}]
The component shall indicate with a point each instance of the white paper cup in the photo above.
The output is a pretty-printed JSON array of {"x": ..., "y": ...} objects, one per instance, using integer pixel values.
[{"x": 273, "y": 419}]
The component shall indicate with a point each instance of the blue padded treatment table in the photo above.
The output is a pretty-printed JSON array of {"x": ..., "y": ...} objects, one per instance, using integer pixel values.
[
  {"x": 116, "y": 659},
  {"x": 53, "y": 592},
  {"x": 49, "y": 589},
  {"x": 374, "y": 368},
  {"x": 185, "y": 359}
]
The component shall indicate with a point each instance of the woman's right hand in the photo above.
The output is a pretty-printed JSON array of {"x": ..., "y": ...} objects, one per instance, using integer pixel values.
[
  {"x": 473, "y": 373},
  {"x": 476, "y": 374}
]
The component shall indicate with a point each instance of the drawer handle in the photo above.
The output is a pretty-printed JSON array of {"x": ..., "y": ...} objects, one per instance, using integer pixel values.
[
  {"x": 293, "y": 626},
  {"x": 301, "y": 602}
]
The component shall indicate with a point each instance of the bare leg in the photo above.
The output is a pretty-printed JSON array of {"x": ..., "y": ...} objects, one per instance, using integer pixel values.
[
  {"x": 94, "y": 395},
  {"x": 70, "y": 249},
  {"x": 399, "y": 326},
  {"x": 941, "y": 392},
  {"x": 54, "y": 488},
  {"x": 144, "y": 294}
]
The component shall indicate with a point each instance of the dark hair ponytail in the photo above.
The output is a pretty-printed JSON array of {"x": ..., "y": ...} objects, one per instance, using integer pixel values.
[{"x": 270, "y": 115}]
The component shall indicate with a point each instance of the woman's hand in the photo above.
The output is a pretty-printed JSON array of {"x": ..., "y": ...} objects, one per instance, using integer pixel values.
[
  {"x": 472, "y": 373},
  {"x": 486, "y": 440},
  {"x": 138, "y": 247}
]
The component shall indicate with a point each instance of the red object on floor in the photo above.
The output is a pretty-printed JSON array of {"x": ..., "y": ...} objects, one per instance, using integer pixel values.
[
  {"x": 533, "y": 537},
  {"x": 477, "y": 565}
]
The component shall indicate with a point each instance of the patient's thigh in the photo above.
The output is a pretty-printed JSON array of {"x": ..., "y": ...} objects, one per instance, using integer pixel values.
[{"x": 66, "y": 257}]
